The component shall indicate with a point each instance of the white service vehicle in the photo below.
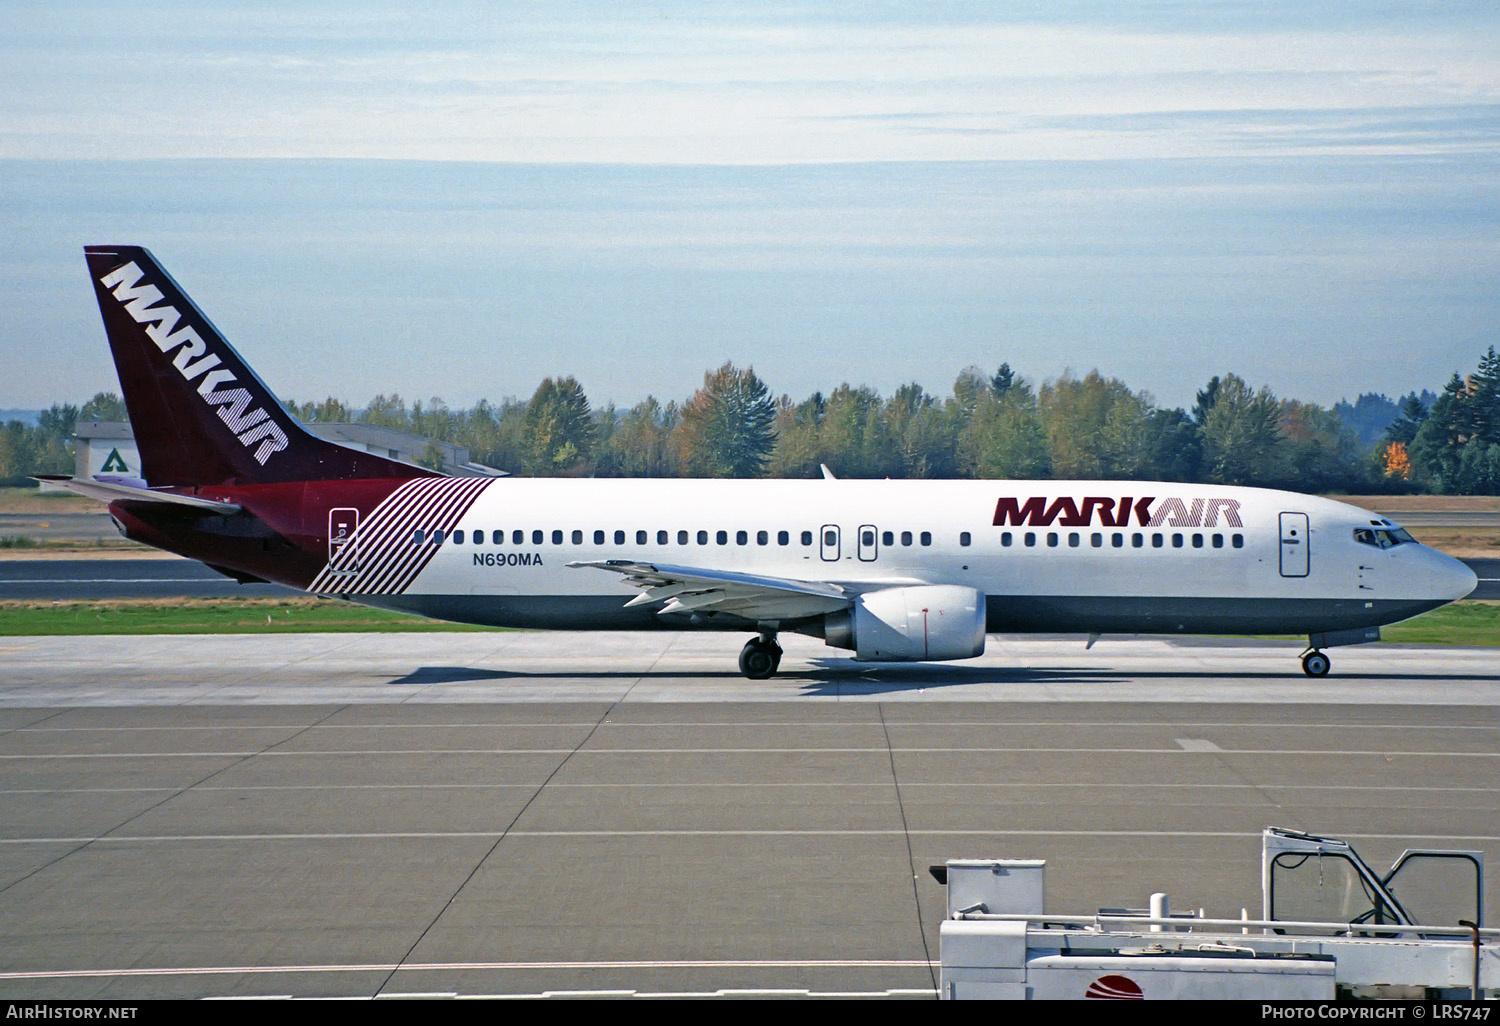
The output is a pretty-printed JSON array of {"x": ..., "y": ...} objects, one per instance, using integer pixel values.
[{"x": 1331, "y": 927}]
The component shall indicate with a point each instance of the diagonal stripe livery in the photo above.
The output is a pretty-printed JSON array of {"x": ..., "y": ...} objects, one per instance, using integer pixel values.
[{"x": 381, "y": 558}]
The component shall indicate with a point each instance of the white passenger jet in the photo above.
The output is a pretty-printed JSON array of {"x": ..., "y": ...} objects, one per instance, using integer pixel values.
[{"x": 891, "y": 570}]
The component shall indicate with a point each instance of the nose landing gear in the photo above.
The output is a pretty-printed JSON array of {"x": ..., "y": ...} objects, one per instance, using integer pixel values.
[
  {"x": 1315, "y": 663},
  {"x": 760, "y": 657}
]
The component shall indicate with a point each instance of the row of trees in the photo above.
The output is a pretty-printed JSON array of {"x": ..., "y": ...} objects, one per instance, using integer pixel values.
[
  {"x": 988, "y": 426},
  {"x": 1451, "y": 445},
  {"x": 46, "y": 447}
]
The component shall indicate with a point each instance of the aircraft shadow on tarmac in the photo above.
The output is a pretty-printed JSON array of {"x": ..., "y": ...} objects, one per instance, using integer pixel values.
[{"x": 830, "y": 676}]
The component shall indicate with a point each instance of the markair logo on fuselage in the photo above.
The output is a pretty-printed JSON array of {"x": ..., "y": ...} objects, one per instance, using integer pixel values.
[
  {"x": 1041, "y": 511},
  {"x": 251, "y": 426}
]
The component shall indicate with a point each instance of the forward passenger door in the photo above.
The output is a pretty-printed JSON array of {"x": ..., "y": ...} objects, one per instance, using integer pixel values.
[{"x": 1295, "y": 559}]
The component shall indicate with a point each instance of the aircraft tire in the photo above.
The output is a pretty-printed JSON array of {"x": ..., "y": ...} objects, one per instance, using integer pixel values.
[
  {"x": 1316, "y": 664},
  {"x": 759, "y": 660}
]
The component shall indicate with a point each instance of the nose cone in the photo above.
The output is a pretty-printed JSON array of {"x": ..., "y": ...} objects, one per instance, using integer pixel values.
[{"x": 1450, "y": 579}]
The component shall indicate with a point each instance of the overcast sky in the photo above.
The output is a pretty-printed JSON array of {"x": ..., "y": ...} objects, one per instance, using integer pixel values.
[{"x": 457, "y": 204}]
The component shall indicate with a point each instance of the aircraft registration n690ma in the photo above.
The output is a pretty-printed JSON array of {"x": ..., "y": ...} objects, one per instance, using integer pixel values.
[{"x": 892, "y": 570}]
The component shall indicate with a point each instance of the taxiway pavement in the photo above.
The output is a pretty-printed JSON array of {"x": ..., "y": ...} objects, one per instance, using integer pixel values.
[{"x": 525, "y": 813}]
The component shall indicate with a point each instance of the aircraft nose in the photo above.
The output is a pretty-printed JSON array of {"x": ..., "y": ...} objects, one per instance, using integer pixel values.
[{"x": 1454, "y": 579}]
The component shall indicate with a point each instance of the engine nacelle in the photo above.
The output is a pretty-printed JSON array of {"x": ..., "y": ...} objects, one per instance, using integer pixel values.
[{"x": 920, "y": 623}]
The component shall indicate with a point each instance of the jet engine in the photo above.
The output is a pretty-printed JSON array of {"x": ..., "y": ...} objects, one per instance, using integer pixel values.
[{"x": 923, "y": 622}]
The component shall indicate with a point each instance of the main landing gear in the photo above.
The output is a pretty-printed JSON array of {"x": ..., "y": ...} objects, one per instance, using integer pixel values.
[
  {"x": 760, "y": 657},
  {"x": 1315, "y": 663}
]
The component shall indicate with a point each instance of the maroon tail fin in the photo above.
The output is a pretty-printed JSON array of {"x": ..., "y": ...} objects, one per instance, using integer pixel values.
[{"x": 199, "y": 413}]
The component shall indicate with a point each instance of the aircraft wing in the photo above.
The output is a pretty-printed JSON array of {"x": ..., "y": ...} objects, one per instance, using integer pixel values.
[
  {"x": 689, "y": 590},
  {"x": 108, "y": 492}
]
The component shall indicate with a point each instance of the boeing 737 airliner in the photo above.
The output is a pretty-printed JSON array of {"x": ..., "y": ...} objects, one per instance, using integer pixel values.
[{"x": 892, "y": 570}]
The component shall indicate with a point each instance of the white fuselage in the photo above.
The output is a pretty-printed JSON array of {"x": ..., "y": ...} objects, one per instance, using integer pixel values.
[{"x": 1047, "y": 554}]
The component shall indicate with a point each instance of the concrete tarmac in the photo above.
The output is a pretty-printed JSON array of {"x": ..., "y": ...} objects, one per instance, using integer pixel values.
[{"x": 528, "y": 813}]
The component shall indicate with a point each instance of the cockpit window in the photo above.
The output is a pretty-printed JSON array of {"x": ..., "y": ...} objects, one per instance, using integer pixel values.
[{"x": 1383, "y": 538}]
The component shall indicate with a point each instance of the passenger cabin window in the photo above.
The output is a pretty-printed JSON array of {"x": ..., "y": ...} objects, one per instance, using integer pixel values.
[
  {"x": 437, "y": 537},
  {"x": 1158, "y": 540},
  {"x": 1097, "y": 540},
  {"x": 1074, "y": 540},
  {"x": 1197, "y": 541},
  {"x": 661, "y": 537},
  {"x": 762, "y": 538},
  {"x": 806, "y": 537},
  {"x": 1117, "y": 540},
  {"x": 640, "y": 537},
  {"x": 1030, "y": 538},
  {"x": 905, "y": 537},
  {"x": 619, "y": 537},
  {"x": 556, "y": 537},
  {"x": 458, "y": 537},
  {"x": 741, "y": 538},
  {"x": 418, "y": 536},
  {"x": 1005, "y": 539},
  {"x": 577, "y": 537},
  {"x": 1137, "y": 540},
  {"x": 1238, "y": 541},
  {"x": 1218, "y": 541},
  {"x": 598, "y": 537},
  {"x": 1176, "y": 541},
  {"x": 1051, "y": 539},
  {"x": 497, "y": 538},
  {"x": 682, "y": 537},
  {"x": 722, "y": 537},
  {"x": 536, "y": 537},
  {"x": 926, "y": 537},
  {"x": 702, "y": 537},
  {"x": 783, "y": 538}
]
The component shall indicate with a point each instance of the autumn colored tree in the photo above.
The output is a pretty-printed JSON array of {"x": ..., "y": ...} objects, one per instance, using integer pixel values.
[{"x": 1397, "y": 463}]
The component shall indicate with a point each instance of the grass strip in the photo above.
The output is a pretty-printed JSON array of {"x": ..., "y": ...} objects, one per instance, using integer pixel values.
[
  {"x": 208, "y": 616},
  {"x": 1462, "y": 623}
]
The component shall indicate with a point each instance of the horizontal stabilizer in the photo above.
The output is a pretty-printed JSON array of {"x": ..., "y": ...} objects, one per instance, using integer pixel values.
[{"x": 109, "y": 492}]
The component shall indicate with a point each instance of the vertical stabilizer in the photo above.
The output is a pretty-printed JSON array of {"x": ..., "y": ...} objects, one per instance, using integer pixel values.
[{"x": 199, "y": 413}]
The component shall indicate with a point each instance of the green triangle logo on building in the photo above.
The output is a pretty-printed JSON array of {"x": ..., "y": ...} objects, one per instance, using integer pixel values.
[{"x": 115, "y": 463}]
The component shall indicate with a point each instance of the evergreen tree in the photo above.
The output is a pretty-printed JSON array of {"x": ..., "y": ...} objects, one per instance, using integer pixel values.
[
  {"x": 559, "y": 429},
  {"x": 1001, "y": 436},
  {"x": 1484, "y": 399},
  {"x": 1003, "y": 379},
  {"x": 1436, "y": 448},
  {"x": 1171, "y": 446},
  {"x": 1205, "y": 400},
  {"x": 1242, "y": 443},
  {"x": 1410, "y": 412},
  {"x": 728, "y": 427}
]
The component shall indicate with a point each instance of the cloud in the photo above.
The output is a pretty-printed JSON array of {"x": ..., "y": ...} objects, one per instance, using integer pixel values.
[{"x": 794, "y": 84}]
